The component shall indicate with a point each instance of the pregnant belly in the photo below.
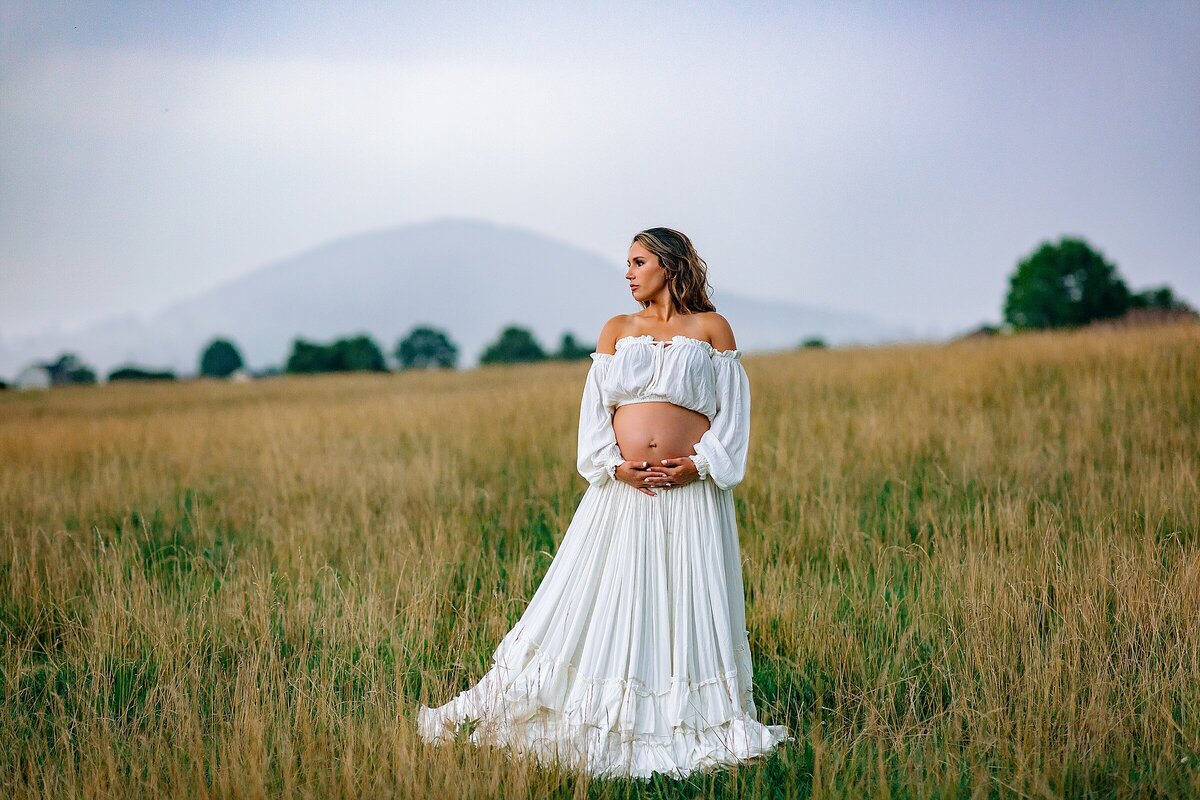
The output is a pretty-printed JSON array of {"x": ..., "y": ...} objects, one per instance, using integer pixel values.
[{"x": 654, "y": 431}]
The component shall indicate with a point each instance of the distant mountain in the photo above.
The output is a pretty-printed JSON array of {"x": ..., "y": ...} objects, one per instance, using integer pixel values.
[{"x": 469, "y": 277}]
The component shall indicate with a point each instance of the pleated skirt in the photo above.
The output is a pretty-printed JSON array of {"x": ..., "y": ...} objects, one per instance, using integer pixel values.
[{"x": 632, "y": 657}]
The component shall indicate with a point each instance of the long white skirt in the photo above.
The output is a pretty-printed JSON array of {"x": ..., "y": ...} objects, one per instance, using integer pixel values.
[{"x": 632, "y": 657}]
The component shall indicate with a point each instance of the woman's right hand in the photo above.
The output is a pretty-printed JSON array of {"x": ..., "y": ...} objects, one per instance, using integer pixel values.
[{"x": 635, "y": 472}]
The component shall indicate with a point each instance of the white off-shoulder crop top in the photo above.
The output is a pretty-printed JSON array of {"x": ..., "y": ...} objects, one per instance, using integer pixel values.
[{"x": 687, "y": 372}]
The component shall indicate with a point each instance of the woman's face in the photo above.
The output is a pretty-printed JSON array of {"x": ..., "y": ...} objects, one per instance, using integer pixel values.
[{"x": 645, "y": 273}]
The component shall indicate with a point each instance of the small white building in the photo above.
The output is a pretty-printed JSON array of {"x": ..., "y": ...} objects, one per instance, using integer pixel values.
[{"x": 35, "y": 376}]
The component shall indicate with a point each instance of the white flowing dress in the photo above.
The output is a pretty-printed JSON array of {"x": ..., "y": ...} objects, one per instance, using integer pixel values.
[{"x": 632, "y": 657}]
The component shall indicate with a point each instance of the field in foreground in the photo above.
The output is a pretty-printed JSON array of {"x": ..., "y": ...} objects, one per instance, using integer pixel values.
[{"x": 971, "y": 570}]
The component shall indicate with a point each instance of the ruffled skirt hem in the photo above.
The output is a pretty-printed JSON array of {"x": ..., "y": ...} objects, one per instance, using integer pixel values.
[
  {"x": 552, "y": 741},
  {"x": 632, "y": 657}
]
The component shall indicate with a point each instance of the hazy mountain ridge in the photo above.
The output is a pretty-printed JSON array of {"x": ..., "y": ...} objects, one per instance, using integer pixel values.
[{"x": 469, "y": 277}]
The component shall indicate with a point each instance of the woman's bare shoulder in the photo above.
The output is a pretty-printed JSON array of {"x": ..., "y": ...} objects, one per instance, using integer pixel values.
[
  {"x": 614, "y": 329},
  {"x": 718, "y": 329}
]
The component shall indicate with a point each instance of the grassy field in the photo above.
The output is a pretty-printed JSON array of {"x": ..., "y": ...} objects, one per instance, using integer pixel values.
[{"x": 972, "y": 570}]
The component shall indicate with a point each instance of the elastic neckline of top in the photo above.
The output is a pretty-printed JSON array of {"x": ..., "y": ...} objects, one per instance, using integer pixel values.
[{"x": 645, "y": 337}]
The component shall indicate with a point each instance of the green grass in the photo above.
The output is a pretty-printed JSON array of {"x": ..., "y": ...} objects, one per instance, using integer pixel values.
[{"x": 971, "y": 570}]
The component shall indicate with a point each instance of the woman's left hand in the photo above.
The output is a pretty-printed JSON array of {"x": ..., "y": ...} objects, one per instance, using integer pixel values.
[{"x": 680, "y": 471}]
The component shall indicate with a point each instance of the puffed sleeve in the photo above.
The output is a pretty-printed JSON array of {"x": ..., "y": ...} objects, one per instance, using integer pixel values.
[
  {"x": 721, "y": 451},
  {"x": 598, "y": 455}
]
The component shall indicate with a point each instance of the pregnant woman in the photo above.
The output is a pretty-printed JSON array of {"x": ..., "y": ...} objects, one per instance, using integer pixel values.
[{"x": 632, "y": 657}]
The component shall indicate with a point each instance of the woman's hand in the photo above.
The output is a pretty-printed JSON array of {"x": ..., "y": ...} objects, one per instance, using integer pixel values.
[
  {"x": 638, "y": 474},
  {"x": 672, "y": 472}
]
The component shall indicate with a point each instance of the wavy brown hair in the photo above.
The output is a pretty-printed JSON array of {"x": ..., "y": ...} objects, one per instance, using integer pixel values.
[{"x": 687, "y": 274}]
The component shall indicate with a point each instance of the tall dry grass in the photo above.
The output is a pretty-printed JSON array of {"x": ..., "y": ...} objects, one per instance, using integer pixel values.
[{"x": 971, "y": 570}]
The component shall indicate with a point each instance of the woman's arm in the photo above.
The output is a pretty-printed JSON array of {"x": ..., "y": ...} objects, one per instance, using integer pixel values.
[
  {"x": 721, "y": 451},
  {"x": 598, "y": 455}
]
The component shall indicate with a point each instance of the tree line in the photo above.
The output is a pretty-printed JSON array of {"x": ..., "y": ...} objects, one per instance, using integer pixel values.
[
  {"x": 1059, "y": 285},
  {"x": 424, "y": 347}
]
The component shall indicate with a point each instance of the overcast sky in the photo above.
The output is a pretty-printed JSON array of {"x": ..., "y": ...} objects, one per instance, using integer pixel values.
[{"x": 896, "y": 160}]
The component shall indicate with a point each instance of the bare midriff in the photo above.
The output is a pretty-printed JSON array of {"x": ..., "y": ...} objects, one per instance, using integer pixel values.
[{"x": 657, "y": 430}]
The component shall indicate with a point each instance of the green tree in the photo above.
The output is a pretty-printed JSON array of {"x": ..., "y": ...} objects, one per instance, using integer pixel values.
[
  {"x": 356, "y": 353},
  {"x": 67, "y": 368},
  {"x": 307, "y": 357},
  {"x": 570, "y": 350},
  {"x": 1159, "y": 297},
  {"x": 426, "y": 347},
  {"x": 1064, "y": 284},
  {"x": 515, "y": 345},
  {"x": 220, "y": 359},
  {"x": 136, "y": 373}
]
